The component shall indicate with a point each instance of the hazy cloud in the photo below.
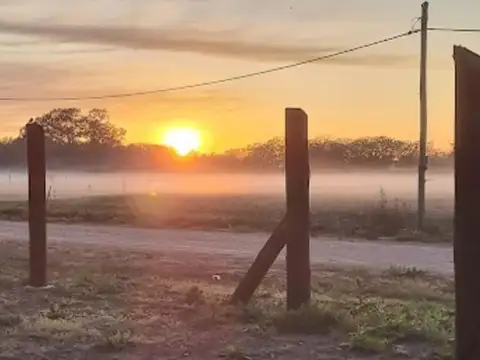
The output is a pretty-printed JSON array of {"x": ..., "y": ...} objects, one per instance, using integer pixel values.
[
  {"x": 30, "y": 77},
  {"x": 43, "y": 80},
  {"x": 207, "y": 43}
]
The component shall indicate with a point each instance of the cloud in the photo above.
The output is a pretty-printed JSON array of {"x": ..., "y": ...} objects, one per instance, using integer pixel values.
[
  {"x": 29, "y": 78},
  {"x": 41, "y": 80},
  {"x": 132, "y": 113},
  {"x": 33, "y": 80},
  {"x": 197, "y": 41}
]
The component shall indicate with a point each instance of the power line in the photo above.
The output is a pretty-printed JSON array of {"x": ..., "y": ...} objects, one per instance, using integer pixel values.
[
  {"x": 447, "y": 29},
  {"x": 220, "y": 81},
  {"x": 415, "y": 21}
]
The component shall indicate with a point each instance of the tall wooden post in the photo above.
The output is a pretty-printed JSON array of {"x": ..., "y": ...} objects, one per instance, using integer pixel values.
[
  {"x": 297, "y": 176},
  {"x": 423, "y": 159},
  {"x": 467, "y": 203},
  {"x": 36, "y": 164}
]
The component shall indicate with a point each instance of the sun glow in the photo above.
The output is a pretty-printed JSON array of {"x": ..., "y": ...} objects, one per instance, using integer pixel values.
[{"x": 182, "y": 140}]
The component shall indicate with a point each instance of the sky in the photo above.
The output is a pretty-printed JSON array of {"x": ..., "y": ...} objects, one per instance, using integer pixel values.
[{"x": 59, "y": 48}]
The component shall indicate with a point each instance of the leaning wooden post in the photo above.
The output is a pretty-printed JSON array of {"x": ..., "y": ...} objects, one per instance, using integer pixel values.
[
  {"x": 37, "y": 205},
  {"x": 297, "y": 178},
  {"x": 467, "y": 203},
  {"x": 264, "y": 260}
]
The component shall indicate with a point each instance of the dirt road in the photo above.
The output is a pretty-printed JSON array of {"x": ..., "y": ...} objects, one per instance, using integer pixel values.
[{"x": 434, "y": 258}]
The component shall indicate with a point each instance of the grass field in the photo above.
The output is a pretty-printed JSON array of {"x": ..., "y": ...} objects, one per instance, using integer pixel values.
[
  {"x": 371, "y": 218},
  {"x": 113, "y": 304}
]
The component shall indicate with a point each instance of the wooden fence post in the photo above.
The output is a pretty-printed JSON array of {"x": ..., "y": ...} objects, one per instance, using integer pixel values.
[
  {"x": 36, "y": 164},
  {"x": 264, "y": 260},
  {"x": 467, "y": 203},
  {"x": 297, "y": 179}
]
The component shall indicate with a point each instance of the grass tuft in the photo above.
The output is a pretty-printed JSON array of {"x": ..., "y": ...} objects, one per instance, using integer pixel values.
[
  {"x": 99, "y": 284},
  {"x": 116, "y": 340},
  {"x": 366, "y": 343},
  {"x": 9, "y": 320},
  {"x": 382, "y": 324},
  {"x": 409, "y": 272},
  {"x": 320, "y": 318},
  {"x": 235, "y": 352},
  {"x": 195, "y": 296}
]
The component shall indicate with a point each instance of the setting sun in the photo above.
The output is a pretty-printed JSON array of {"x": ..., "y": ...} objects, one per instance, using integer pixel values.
[{"x": 182, "y": 140}]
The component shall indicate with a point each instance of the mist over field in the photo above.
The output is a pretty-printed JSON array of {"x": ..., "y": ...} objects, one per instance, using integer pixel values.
[
  {"x": 346, "y": 187},
  {"x": 361, "y": 187}
]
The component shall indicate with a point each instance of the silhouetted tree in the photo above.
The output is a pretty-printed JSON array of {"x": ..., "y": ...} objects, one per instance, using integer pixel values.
[
  {"x": 99, "y": 129},
  {"x": 92, "y": 140},
  {"x": 268, "y": 154},
  {"x": 68, "y": 126}
]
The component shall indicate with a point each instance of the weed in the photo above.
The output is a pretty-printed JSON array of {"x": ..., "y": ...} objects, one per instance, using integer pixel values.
[
  {"x": 59, "y": 329},
  {"x": 398, "y": 321},
  {"x": 10, "y": 320},
  {"x": 372, "y": 324},
  {"x": 387, "y": 220},
  {"x": 252, "y": 314},
  {"x": 116, "y": 340},
  {"x": 195, "y": 296},
  {"x": 367, "y": 343},
  {"x": 57, "y": 311},
  {"x": 410, "y": 272},
  {"x": 98, "y": 284},
  {"x": 235, "y": 352}
]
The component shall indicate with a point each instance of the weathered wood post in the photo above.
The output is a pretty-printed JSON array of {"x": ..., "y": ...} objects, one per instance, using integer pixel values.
[
  {"x": 264, "y": 260},
  {"x": 37, "y": 205},
  {"x": 467, "y": 203},
  {"x": 297, "y": 180}
]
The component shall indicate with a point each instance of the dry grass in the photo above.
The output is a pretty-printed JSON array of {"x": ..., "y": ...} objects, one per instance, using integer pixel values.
[
  {"x": 380, "y": 217},
  {"x": 117, "y": 304}
]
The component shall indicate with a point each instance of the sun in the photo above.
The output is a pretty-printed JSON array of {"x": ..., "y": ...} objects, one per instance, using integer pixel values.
[{"x": 182, "y": 140}]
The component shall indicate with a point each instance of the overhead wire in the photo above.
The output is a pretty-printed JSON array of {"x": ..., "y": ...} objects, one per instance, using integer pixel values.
[
  {"x": 448, "y": 29},
  {"x": 217, "y": 81},
  {"x": 415, "y": 22}
]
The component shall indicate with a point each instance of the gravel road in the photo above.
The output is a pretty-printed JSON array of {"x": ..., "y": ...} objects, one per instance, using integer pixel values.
[{"x": 379, "y": 255}]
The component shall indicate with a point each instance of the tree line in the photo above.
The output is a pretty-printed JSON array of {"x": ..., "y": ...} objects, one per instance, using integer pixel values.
[{"x": 92, "y": 141}]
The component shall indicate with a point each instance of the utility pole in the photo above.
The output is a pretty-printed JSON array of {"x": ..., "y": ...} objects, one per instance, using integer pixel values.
[{"x": 423, "y": 160}]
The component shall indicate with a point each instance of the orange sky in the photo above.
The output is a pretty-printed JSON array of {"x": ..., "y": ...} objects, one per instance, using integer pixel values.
[{"x": 58, "y": 48}]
